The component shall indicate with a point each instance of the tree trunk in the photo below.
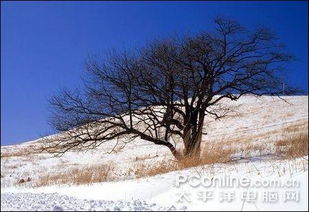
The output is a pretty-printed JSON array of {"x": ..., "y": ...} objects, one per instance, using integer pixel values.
[
  {"x": 193, "y": 137},
  {"x": 192, "y": 145}
]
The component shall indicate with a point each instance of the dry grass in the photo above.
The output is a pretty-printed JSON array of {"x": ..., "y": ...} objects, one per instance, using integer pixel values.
[
  {"x": 78, "y": 176},
  {"x": 24, "y": 151},
  {"x": 293, "y": 146},
  {"x": 217, "y": 154},
  {"x": 248, "y": 136},
  {"x": 143, "y": 170},
  {"x": 210, "y": 155},
  {"x": 14, "y": 154}
]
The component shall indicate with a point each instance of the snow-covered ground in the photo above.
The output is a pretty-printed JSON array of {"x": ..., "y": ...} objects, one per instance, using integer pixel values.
[
  {"x": 56, "y": 202},
  {"x": 274, "y": 185},
  {"x": 254, "y": 121}
]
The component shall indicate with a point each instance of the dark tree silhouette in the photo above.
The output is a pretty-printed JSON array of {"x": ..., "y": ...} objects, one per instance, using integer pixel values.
[{"x": 162, "y": 92}]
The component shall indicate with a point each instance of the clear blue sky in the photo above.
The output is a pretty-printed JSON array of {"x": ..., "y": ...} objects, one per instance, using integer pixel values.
[{"x": 44, "y": 45}]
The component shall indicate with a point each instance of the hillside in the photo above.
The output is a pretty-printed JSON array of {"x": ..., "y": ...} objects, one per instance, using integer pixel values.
[{"x": 248, "y": 142}]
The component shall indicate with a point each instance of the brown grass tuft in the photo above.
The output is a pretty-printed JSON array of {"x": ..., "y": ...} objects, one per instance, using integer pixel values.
[
  {"x": 293, "y": 146},
  {"x": 209, "y": 156},
  {"x": 78, "y": 176},
  {"x": 217, "y": 154},
  {"x": 144, "y": 170}
]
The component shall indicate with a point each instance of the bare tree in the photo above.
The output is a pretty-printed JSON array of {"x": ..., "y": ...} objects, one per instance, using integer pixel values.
[{"x": 162, "y": 92}]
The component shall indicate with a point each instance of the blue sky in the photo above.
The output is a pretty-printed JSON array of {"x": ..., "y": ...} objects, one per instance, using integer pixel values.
[{"x": 44, "y": 45}]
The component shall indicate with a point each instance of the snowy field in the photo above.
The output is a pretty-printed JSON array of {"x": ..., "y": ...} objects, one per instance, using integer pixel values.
[
  {"x": 283, "y": 184},
  {"x": 56, "y": 202},
  {"x": 274, "y": 185}
]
